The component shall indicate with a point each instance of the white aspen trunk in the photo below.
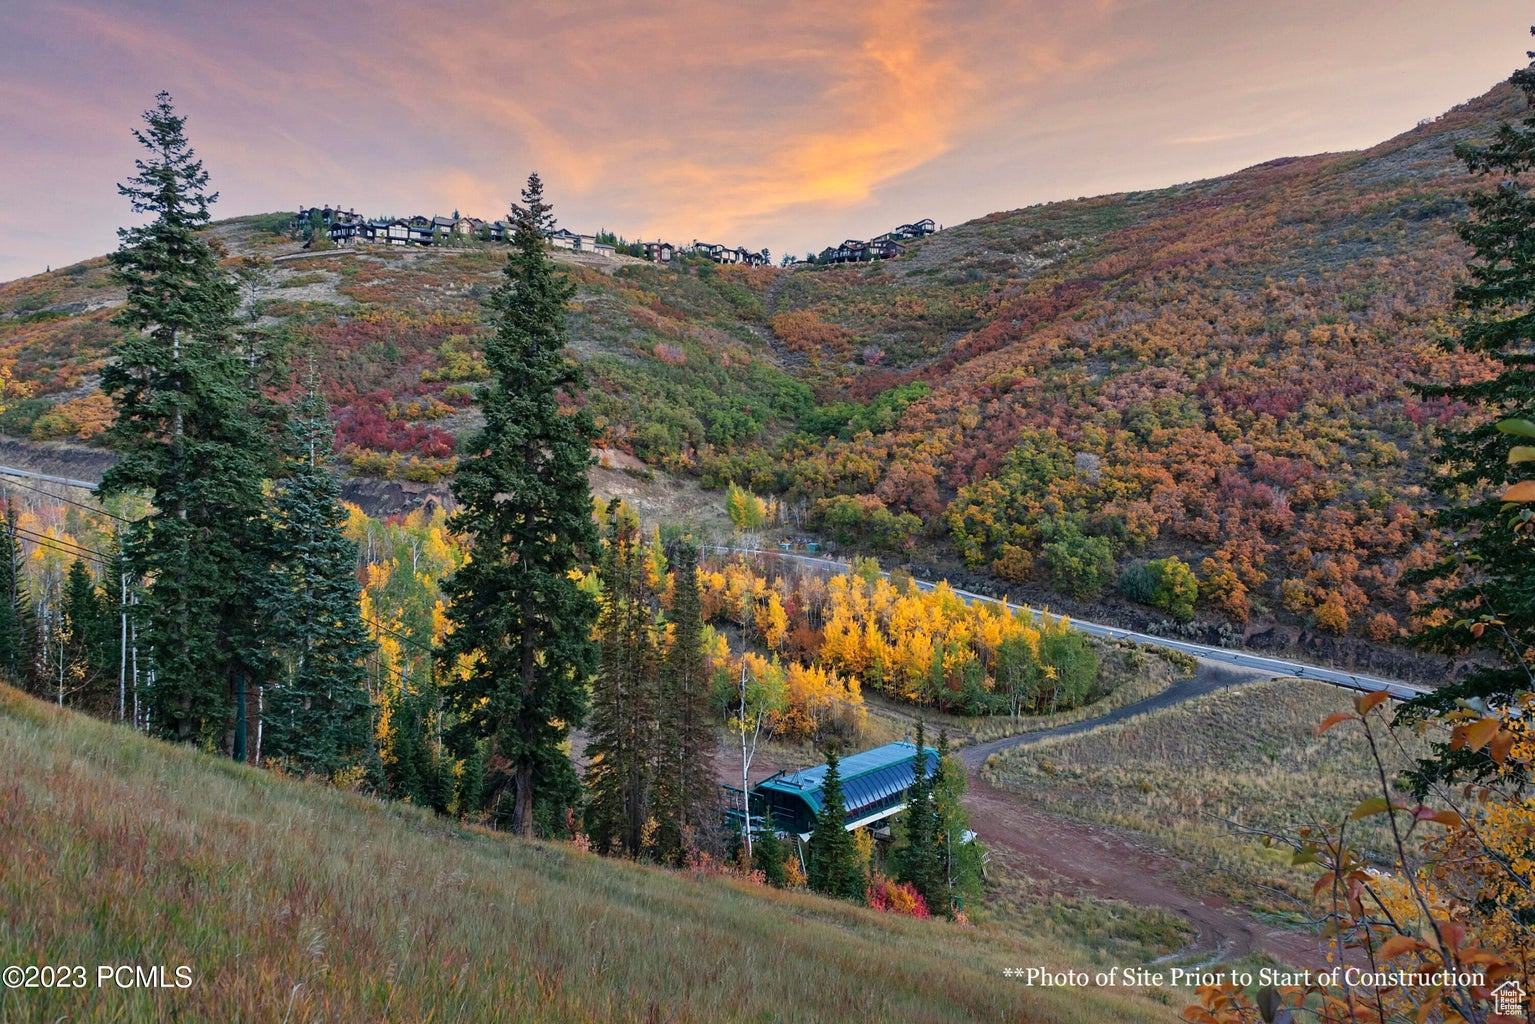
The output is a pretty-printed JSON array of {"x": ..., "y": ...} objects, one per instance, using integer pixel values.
[
  {"x": 122, "y": 656},
  {"x": 137, "y": 722},
  {"x": 746, "y": 795}
]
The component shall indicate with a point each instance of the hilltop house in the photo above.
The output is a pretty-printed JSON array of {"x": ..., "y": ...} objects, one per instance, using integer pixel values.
[
  {"x": 917, "y": 230},
  {"x": 880, "y": 247},
  {"x": 855, "y": 250},
  {"x": 329, "y": 216},
  {"x": 347, "y": 228},
  {"x": 384, "y": 232},
  {"x": 724, "y": 254}
]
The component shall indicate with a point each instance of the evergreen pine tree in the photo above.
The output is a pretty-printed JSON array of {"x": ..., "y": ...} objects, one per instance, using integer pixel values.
[
  {"x": 621, "y": 753},
  {"x": 417, "y": 769},
  {"x": 18, "y": 629},
  {"x": 770, "y": 855},
  {"x": 833, "y": 858},
  {"x": 317, "y": 716},
  {"x": 961, "y": 860},
  {"x": 469, "y": 798},
  {"x": 110, "y": 654},
  {"x": 1485, "y": 574},
  {"x": 525, "y": 501},
  {"x": 187, "y": 434},
  {"x": 917, "y": 856},
  {"x": 81, "y": 623},
  {"x": 687, "y": 788}
]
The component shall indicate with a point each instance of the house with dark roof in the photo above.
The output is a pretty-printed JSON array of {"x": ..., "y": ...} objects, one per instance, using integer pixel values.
[
  {"x": 852, "y": 250},
  {"x": 389, "y": 232},
  {"x": 914, "y": 230}
]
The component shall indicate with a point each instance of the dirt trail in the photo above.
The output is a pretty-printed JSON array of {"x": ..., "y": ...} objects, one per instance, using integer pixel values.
[
  {"x": 1110, "y": 863},
  {"x": 1061, "y": 854}
]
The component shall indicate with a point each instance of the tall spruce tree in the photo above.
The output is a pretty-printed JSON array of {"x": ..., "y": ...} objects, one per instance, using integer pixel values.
[
  {"x": 85, "y": 632},
  {"x": 686, "y": 786},
  {"x": 962, "y": 860},
  {"x": 18, "y": 627},
  {"x": 834, "y": 868},
  {"x": 918, "y": 853},
  {"x": 316, "y": 714},
  {"x": 624, "y": 720},
  {"x": 186, "y": 434},
  {"x": 526, "y": 503},
  {"x": 1486, "y": 603}
]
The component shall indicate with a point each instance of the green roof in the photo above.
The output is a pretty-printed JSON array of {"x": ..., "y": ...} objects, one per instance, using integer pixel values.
[{"x": 868, "y": 778}]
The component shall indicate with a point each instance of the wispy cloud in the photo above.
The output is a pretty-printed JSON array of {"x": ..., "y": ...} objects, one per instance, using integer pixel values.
[{"x": 782, "y": 123}]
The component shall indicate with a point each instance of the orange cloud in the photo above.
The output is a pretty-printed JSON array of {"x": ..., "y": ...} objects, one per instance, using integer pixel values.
[{"x": 891, "y": 104}]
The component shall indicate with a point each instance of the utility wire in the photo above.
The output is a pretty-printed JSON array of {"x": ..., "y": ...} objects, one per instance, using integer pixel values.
[
  {"x": 13, "y": 482},
  {"x": 64, "y": 546},
  {"x": 409, "y": 641}
]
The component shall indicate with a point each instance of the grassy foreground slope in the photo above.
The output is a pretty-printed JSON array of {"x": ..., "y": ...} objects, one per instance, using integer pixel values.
[{"x": 292, "y": 902}]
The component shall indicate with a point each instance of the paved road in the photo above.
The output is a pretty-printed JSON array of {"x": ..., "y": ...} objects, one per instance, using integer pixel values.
[
  {"x": 29, "y": 475},
  {"x": 1257, "y": 664},
  {"x": 1212, "y": 676}
]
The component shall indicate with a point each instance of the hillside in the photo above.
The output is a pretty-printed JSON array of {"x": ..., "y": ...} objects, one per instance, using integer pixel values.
[
  {"x": 1218, "y": 371},
  {"x": 302, "y": 903}
]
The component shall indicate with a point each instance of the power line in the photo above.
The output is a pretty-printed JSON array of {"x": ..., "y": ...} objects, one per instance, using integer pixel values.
[
  {"x": 59, "y": 544},
  {"x": 60, "y": 497},
  {"x": 409, "y": 641}
]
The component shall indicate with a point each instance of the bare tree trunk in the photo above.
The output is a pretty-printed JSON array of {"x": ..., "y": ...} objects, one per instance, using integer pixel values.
[
  {"x": 122, "y": 658},
  {"x": 134, "y": 630},
  {"x": 746, "y": 793},
  {"x": 522, "y": 809},
  {"x": 522, "y": 805}
]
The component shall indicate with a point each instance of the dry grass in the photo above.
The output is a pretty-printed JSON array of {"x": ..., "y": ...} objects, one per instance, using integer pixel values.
[
  {"x": 297, "y": 903},
  {"x": 1194, "y": 775},
  {"x": 1113, "y": 932}
]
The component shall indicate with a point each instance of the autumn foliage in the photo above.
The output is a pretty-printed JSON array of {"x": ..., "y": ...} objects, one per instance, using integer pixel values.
[
  {"x": 920, "y": 645},
  {"x": 1434, "y": 934}
]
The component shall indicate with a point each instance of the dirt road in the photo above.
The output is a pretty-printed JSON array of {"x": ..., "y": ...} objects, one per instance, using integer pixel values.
[{"x": 1098, "y": 860}]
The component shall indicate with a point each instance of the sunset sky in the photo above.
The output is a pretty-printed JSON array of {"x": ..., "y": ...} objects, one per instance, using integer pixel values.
[{"x": 790, "y": 124}]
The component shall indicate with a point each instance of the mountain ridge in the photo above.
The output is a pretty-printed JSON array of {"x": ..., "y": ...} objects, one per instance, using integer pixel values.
[{"x": 1217, "y": 371}]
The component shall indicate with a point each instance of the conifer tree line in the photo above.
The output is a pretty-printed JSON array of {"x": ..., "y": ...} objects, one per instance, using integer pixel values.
[
  {"x": 650, "y": 774},
  {"x": 229, "y": 613}
]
